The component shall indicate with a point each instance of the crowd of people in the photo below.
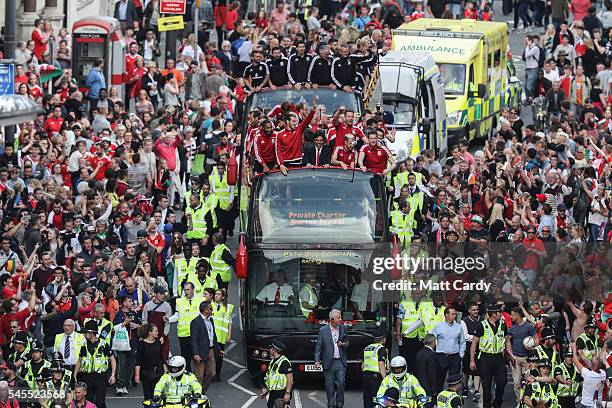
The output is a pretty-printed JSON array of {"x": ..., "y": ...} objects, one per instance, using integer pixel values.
[{"x": 116, "y": 209}]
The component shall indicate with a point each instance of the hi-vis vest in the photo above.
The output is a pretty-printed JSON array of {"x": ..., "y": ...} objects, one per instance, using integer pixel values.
[
  {"x": 222, "y": 189},
  {"x": 370, "y": 358},
  {"x": 411, "y": 315},
  {"x": 96, "y": 362},
  {"x": 77, "y": 338},
  {"x": 198, "y": 221},
  {"x": 408, "y": 387},
  {"x": 543, "y": 392},
  {"x": 218, "y": 265},
  {"x": 308, "y": 295},
  {"x": 15, "y": 356},
  {"x": 275, "y": 380},
  {"x": 105, "y": 329},
  {"x": 430, "y": 317},
  {"x": 174, "y": 389},
  {"x": 567, "y": 390},
  {"x": 182, "y": 269},
  {"x": 403, "y": 225},
  {"x": 416, "y": 200},
  {"x": 490, "y": 342},
  {"x": 29, "y": 374},
  {"x": 222, "y": 317},
  {"x": 591, "y": 348},
  {"x": 198, "y": 287},
  {"x": 187, "y": 310},
  {"x": 542, "y": 355},
  {"x": 446, "y": 397},
  {"x": 400, "y": 180}
]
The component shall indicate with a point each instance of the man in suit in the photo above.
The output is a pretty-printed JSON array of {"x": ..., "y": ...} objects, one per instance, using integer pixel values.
[
  {"x": 427, "y": 368},
  {"x": 204, "y": 345},
  {"x": 319, "y": 154},
  {"x": 331, "y": 351},
  {"x": 125, "y": 12}
]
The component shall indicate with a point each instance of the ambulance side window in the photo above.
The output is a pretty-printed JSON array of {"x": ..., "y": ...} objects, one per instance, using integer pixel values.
[
  {"x": 425, "y": 100},
  {"x": 497, "y": 58},
  {"x": 472, "y": 84}
]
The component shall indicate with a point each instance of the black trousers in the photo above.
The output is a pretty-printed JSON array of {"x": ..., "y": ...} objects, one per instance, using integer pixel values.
[
  {"x": 149, "y": 380},
  {"x": 567, "y": 402},
  {"x": 370, "y": 384},
  {"x": 492, "y": 367},
  {"x": 409, "y": 350},
  {"x": 219, "y": 360},
  {"x": 273, "y": 396},
  {"x": 96, "y": 388},
  {"x": 185, "y": 343}
]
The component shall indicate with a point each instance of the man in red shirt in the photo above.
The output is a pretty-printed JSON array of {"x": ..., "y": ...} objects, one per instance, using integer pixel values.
[
  {"x": 130, "y": 66},
  {"x": 263, "y": 146},
  {"x": 346, "y": 126},
  {"x": 374, "y": 157},
  {"x": 21, "y": 76},
  {"x": 54, "y": 123},
  {"x": 289, "y": 142},
  {"x": 40, "y": 38},
  {"x": 534, "y": 248},
  {"x": 344, "y": 156},
  {"x": 21, "y": 316},
  {"x": 99, "y": 160}
]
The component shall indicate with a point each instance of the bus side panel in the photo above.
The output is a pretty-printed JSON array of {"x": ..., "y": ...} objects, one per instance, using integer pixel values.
[{"x": 442, "y": 133}]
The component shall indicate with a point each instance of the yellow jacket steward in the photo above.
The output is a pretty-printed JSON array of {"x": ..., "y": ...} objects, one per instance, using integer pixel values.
[
  {"x": 411, "y": 315},
  {"x": 408, "y": 386},
  {"x": 222, "y": 317},
  {"x": 403, "y": 225},
  {"x": 198, "y": 286},
  {"x": 182, "y": 269},
  {"x": 430, "y": 317},
  {"x": 173, "y": 389},
  {"x": 75, "y": 337},
  {"x": 187, "y": 310},
  {"x": 370, "y": 358},
  {"x": 221, "y": 189},
  {"x": 274, "y": 379},
  {"x": 198, "y": 222},
  {"x": 218, "y": 265}
]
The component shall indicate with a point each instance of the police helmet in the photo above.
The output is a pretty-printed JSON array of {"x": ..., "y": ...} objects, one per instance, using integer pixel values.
[
  {"x": 398, "y": 366},
  {"x": 176, "y": 366}
]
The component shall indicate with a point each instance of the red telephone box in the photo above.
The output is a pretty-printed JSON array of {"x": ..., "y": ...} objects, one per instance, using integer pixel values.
[{"x": 98, "y": 37}]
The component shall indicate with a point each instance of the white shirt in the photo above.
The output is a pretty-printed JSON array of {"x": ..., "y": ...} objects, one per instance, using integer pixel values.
[
  {"x": 335, "y": 337},
  {"x": 72, "y": 359},
  {"x": 268, "y": 293},
  {"x": 210, "y": 329},
  {"x": 123, "y": 10},
  {"x": 552, "y": 76},
  {"x": 148, "y": 50},
  {"x": 593, "y": 383}
]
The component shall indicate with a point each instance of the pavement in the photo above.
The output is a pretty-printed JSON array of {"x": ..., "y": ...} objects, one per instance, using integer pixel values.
[{"x": 238, "y": 390}]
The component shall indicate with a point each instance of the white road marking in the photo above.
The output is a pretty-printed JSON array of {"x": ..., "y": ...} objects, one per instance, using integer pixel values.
[
  {"x": 297, "y": 399},
  {"x": 317, "y": 401},
  {"x": 249, "y": 401},
  {"x": 239, "y": 308},
  {"x": 232, "y": 362},
  {"x": 230, "y": 347},
  {"x": 241, "y": 388}
]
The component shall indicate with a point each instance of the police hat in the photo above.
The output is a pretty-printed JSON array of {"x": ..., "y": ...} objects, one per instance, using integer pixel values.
[
  {"x": 392, "y": 394},
  {"x": 278, "y": 345},
  {"x": 494, "y": 308},
  {"x": 455, "y": 379},
  {"x": 568, "y": 352},
  {"x": 56, "y": 367},
  {"x": 20, "y": 338},
  {"x": 532, "y": 358},
  {"x": 379, "y": 333},
  {"x": 547, "y": 333},
  {"x": 91, "y": 326},
  {"x": 57, "y": 356},
  {"x": 544, "y": 363},
  {"x": 590, "y": 323},
  {"x": 37, "y": 346}
]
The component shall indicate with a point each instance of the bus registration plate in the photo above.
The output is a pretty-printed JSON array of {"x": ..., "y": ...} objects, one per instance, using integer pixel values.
[{"x": 311, "y": 368}]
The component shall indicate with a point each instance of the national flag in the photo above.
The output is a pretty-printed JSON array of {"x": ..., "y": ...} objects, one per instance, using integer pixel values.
[{"x": 48, "y": 71}]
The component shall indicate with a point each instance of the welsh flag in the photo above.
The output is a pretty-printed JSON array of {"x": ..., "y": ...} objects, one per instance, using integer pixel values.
[{"x": 48, "y": 71}]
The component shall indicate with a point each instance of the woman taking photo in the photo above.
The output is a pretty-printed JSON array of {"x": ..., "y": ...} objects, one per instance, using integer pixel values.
[{"x": 149, "y": 361}]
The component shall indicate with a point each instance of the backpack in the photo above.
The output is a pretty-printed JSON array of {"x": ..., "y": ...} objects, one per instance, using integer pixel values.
[{"x": 541, "y": 57}]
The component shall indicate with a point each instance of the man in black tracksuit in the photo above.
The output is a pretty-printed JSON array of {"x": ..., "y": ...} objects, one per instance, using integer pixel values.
[
  {"x": 319, "y": 73},
  {"x": 256, "y": 74},
  {"x": 343, "y": 70},
  {"x": 277, "y": 65},
  {"x": 297, "y": 69}
]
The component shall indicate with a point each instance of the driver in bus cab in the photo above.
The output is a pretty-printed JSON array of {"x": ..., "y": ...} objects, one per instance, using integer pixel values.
[
  {"x": 309, "y": 296},
  {"x": 277, "y": 292}
]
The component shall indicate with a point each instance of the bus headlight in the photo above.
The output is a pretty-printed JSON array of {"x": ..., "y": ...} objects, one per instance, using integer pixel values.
[
  {"x": 256, "y": 353},
  {"x": 453, "y": 118},
  {"x": 264, "y": 354}
]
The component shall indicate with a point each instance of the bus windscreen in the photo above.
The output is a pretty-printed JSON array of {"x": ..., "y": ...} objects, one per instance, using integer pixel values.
[
  {"x": 332, "y": 99},
  {"x": 323, "y": 206}
]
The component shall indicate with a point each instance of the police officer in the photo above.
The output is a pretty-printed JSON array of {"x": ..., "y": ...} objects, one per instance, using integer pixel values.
[
  {"x": 546, "y": 349},
  {"x": 488, "y": 344},
  {"x": 187, "y": 308},
  {"x": 20, "y": 354},
  {"x": 221, "y": 261},
  {"x": 278, "y": 381},
  {"x": 91, "y": 367},
  {"x": 57, "y": 383},
  {"x": 450, "y": 398},
  {"x": 256, "y": 74},
  {"x": 177, "y": 383},
  {"x": 59, "y": 359},
  {"x": 34, "y": 367},
  {"x": 587, "y": 344},
  {"x": 375, "y": 364},
  {"x": 277, "y": 67},
  {"x": 540, "y": 388},
  {"x": 319, "y": 72},
  {"x": 568, "y": 381},
  {"x": 105, "y": 328},
  {"x": 297, "y": 68},
  {"x": 400, "y": 378}
]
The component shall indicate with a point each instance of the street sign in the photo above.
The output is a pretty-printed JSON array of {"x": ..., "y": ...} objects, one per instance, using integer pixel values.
[
  {"x": 172, "y": 7},
  {"x": 7, "y": 78},
  {"x": 170, "y": 23}
]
